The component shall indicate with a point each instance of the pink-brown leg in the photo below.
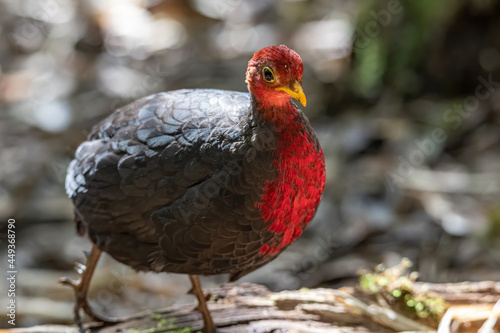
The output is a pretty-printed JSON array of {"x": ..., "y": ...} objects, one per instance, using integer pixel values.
[
  {"x": 81, "y": 288},
  {"x": 202, "y": 305}
]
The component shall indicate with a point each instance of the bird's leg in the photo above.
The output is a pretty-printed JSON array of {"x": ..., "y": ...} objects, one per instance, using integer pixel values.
[
  {"x": 202, "y": 305},
  {"x": 81, "y": 288}
]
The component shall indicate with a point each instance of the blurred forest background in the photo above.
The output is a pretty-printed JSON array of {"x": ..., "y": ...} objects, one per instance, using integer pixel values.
[{"x": 404, "y": 95}]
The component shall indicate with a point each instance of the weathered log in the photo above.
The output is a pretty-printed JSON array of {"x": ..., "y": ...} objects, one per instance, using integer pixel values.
[{"x": 253, "y": 308}]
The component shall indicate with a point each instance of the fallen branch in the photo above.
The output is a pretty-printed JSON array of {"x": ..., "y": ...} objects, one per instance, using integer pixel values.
[{"x": 253, "y": 308}]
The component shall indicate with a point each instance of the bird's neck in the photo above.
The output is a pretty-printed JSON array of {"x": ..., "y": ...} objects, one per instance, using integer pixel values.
[{"x": 280, "y": 114}]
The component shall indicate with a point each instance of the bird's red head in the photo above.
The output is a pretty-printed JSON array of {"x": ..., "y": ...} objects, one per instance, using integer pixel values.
[{"x": 274, "y": 75}]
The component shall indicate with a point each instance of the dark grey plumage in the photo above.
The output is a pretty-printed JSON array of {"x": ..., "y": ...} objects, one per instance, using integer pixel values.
[{"x": 169, "y": 183}]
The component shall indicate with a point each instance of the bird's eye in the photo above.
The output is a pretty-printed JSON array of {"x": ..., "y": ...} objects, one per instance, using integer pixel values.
[{"x": 268, "y": 74}]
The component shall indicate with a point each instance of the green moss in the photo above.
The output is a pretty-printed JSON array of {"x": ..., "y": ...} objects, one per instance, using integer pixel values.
[{"x": 397, "y": 289}]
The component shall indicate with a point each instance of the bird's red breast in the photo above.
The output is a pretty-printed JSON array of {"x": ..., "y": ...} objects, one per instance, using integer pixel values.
[{"x": 289, "y": 202}]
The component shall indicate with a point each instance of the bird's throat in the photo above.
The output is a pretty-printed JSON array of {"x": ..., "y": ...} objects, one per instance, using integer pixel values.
[{"x": 273, "y": 104}]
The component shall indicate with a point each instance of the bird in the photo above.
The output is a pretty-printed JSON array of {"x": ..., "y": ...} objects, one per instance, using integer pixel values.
[{"x": 199, "y": 181}]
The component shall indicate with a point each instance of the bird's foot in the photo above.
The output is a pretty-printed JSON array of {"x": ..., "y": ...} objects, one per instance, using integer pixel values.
[
  {"x": 81, "y": 287},
  {"x": 209, "y": 326},
  {"x": 82, "y": 303}
]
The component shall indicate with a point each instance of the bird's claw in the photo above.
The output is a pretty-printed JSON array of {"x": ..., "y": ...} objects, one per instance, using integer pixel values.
[
  {"x": 75, "y": 284},
  {"x": 79, "y": 267},
  {"x": 69, "y": 282}
]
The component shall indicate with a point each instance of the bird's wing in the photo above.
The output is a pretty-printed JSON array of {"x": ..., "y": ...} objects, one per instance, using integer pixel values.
[{"x": 148, "y": 154}]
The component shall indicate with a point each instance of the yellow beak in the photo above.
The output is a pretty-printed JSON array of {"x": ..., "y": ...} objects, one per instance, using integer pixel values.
[{"x": 296, "y": 92}]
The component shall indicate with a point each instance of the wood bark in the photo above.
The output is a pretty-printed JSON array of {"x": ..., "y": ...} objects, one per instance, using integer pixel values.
[{"x": 253, "y": 308}]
